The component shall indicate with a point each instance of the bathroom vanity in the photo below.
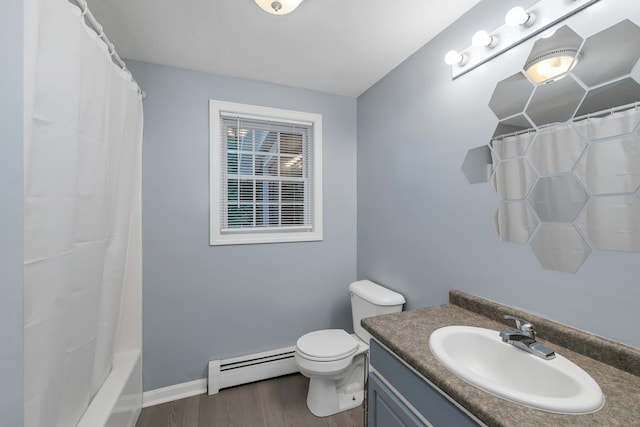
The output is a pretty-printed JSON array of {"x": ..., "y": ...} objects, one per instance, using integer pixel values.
[{"x": 409, "y": 387}]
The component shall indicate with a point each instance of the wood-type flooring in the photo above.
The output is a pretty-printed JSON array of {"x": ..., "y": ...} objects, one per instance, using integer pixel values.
[{"x": 277, "y": 402}]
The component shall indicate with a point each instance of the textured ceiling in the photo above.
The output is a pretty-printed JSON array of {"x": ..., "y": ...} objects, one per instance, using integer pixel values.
[{"x": 333, "y": 46}]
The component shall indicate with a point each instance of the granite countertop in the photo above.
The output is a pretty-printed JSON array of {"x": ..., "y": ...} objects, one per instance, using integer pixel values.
[{"x": 614, "y": 366}]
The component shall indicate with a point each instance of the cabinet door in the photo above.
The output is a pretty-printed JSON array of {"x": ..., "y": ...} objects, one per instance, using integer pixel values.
[
  {"x": 385, "y": 409},
  {"x": 430, "y": 403}
]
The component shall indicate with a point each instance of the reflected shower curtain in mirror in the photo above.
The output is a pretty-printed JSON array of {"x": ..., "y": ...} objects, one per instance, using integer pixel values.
[
  {"x": 514, "y": 178},
  {"x": 83, "y": 136},
  {"x": 585, "y": 185},
  {"x": 618, "y": 121}
]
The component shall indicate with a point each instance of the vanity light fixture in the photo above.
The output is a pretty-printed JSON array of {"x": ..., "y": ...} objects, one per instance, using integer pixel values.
[
  {"x": 519, "y": 16},
  {"x": 454, "y": 57},
  {"x": 552, "y": 66},
  {"x": 483, "y": 39},
  {"x": 278, "y": 7},
  {"x": 520, "y": 25}
]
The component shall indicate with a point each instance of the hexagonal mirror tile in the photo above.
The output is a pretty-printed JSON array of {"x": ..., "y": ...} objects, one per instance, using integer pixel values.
[
  {"x": 478, "y": 165},
  {"x": 609, "y": 124},
  {"x": 556, "y": 149},
  {"x": 510, "y": 96},
  {"x": 515, "y": 124},
  {"x": 612, "y": 223},
  {"x": 601, "y": 63},
  {"x": 558, "y": 198},
  {"x": 513, "y": 179},
  {"x": 555, "y": 102},
  {"x": 611, "y": 166},
  {"x": 514, "y": 222},
  {"x": 561, "y": 48},
  {"x": 560, "y": 247},
  {"x": 601, "y": 100}
]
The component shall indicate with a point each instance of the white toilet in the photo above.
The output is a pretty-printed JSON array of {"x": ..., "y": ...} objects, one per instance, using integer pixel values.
[{"x": 334, "y": 361}]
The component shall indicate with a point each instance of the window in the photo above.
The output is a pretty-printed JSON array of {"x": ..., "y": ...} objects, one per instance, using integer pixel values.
[{"x": 266, "y": 175}]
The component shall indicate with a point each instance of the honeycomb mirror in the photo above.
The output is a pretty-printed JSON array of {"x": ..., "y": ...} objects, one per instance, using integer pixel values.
[{"x": 565, "y": 156}]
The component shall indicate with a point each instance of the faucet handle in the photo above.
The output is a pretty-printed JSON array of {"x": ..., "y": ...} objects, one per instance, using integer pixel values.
[{"x": 522, "y": 325}]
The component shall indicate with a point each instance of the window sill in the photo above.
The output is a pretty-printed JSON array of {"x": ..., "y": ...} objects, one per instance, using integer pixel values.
[{"x": 249, "y": 239}]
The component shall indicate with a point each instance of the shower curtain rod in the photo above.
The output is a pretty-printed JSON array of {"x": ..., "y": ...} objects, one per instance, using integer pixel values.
[
  {"x": 511, "y": 134},
  {"x": 608, "y": 111},
  {"x": 597, "y": 114},
  {"x": 92, "y": 23}
]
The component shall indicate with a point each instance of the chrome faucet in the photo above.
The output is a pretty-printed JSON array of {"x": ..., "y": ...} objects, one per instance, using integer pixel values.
[{"x": 524, "y": 337}]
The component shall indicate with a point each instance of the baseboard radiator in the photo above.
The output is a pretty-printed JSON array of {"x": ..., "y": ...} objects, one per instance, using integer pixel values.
[{"x": 250, "y": 368}]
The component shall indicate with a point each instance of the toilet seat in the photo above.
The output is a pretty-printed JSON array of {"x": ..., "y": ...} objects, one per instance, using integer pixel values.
[{"x": 326, "y": 345}]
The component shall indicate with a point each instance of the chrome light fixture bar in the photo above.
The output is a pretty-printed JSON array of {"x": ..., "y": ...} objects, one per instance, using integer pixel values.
[{"x": 523, "y": 23}]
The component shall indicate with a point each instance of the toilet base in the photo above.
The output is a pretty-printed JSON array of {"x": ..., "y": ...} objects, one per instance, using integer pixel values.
[
  {"x": 328, "y": 396},
  {"x": 322, "y": 399},
  {"x": 335, "y": 387}
]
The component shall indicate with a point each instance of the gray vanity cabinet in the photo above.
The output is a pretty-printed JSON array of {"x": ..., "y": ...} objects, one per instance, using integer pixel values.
[
  {"x": 386, "y": 409},
  {"x": 398, "y": 397}
]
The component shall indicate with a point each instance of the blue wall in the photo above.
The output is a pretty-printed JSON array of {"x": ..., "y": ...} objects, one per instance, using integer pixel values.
[
  {"x": 201, "y": 302},
  {"x": 11, "y": 214},
  {"x": 422, "y": 229}
]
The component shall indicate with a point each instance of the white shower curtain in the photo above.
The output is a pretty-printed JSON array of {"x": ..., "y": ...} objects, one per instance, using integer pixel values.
[{"x": 83, "y": 136}]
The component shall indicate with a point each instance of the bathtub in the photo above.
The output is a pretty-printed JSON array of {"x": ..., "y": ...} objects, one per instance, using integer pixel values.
[{"x": 119, "y": 401}]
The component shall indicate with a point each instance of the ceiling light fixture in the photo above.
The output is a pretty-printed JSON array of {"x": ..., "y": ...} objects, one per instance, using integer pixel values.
[
  {"x": 483, "y": 39},
  {"x": 278, "y": 7},
  {"x": 519, "y": 16},
  {"x": 552, "y": 66}
]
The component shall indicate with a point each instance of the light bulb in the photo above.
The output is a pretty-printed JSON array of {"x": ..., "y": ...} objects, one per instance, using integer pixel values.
[
  {"x": 454, "y": 57},
  {"x": 483, "y": 39},
  {"x": 519, "y": 16}
]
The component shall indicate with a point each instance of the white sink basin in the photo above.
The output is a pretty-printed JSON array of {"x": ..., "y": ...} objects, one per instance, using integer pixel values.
[{"x": 479, "y": 356}]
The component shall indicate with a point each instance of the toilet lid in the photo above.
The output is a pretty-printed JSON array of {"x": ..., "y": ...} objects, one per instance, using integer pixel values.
[{"x": 327, "y": 344}]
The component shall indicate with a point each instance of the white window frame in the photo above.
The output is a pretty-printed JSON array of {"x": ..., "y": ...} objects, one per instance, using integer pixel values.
[{"x": 217, "y": 237}]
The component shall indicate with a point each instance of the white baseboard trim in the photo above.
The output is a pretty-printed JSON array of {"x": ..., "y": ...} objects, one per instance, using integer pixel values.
[
  {"x": 174, "y": 392},
  {"x": 228, "y": 373}
]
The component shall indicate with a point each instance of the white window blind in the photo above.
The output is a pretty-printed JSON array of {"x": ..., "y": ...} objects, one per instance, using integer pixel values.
[
  {"x": 266, "y": 180},
  {"x": 267, "y": 175}
]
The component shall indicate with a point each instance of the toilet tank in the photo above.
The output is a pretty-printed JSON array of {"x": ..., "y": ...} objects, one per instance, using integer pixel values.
[{"x": 370, "y": 299}]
